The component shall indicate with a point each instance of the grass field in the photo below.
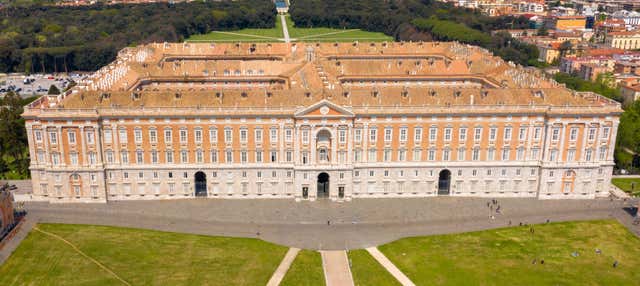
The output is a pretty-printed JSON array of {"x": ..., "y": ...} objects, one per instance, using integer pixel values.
[
  {"x": 367, "y": 271},
  {"x": 625, "y": 185},
  {"x": 140, "y": 257},
  {"x": 306, "y": 270},
  {"x": 297, "y": 34},
  {"x": 505, "y": 256}
]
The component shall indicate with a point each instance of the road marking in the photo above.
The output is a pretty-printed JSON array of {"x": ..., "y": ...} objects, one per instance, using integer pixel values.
[
  {"x": 284, "y": 266},
  {"x": 83, "y": 254}
]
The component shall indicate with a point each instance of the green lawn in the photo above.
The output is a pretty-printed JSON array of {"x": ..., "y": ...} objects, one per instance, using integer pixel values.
[
  {"x": 625, "y": 185},
  {"x": 367, "y": 271},
  {"x": 275, "y": 34},
  {"x": 505, "y": 256},
  {"x": 305, "y": 270},
  {"x": 140, "y": 257}
]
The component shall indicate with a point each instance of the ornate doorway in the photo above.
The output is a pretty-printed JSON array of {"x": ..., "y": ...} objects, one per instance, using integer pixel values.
[
  {"x": 444, "y": 182},
  {"x": 201, "y": 184},
  {"x": 323, "y": 185}
]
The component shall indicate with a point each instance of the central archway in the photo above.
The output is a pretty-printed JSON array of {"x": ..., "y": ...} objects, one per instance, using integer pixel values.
[
  {"x": 201, "y": 184},
  {"x": 444, "y": 182},
  {"x": 323, "y": 185}
]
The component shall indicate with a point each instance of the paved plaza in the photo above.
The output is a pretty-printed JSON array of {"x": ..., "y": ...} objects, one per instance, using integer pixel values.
[{"x": 327, "y": 225}]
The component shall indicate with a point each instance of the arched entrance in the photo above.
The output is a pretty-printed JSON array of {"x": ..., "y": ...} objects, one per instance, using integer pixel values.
[
  {"x": 444, "y": 182},
  {"x": 323, "y": 185},
  {"x": 201, "y": 184}
]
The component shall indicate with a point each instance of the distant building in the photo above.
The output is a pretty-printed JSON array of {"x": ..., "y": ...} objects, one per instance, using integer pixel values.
[
  {"x": 566, "y": 23},
  {"x": 591, "y": 71},
  {"x": 631, "y": 18},
  {"x": 623, "y": 40},
  {"x": 549, "y": 52},
  {"x": 630, "y": 93},
  {"x": 7, "y": 220},
  {"x": 530, "y": 6}
]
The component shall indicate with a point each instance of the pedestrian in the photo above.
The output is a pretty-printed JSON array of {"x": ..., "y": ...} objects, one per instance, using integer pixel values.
[
  {"x": 532, "y": 230},
  {"x": 541, "y": 261},
  {"x": 498, "y": 209},
  {"x": 328, "y": 222},
  {"x": 488, "y": 204},
  {"x": 509, "y": 222},
  {"x": 615, "y": 264}
]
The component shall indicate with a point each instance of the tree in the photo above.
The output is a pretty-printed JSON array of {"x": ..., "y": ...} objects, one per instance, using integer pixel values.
[{"x": 53, "y": 89}]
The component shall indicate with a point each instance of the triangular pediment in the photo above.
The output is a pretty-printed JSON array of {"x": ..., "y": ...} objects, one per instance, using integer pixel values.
[{"x": 324, "y": 108}]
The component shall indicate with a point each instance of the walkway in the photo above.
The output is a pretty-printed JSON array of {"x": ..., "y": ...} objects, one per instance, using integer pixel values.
[
  {"x": 387, "y": 264},
  {"x": 336, "y": 268},
  {"x": 285, "y": 29},
  {"x": 284, "y": 266}
]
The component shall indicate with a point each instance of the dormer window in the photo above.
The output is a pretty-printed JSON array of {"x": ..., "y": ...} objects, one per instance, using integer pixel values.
[
  {"x": 244, "y": 94},
  {"x": 432, "y": 92},
  {"x": 346, "y": 94},
  {"x": 457, "y": 93},
  {"x": 307, "y": 94}
]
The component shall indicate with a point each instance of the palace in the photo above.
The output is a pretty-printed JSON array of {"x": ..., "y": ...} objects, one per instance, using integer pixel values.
[{"x": 311, "y": 121}]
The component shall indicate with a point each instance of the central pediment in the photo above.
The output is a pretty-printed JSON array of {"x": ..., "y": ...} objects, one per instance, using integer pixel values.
[{"x": 324, "y": 108}]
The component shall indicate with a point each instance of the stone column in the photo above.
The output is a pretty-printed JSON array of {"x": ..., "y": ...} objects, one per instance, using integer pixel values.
[{"x": 84, "y": 152}]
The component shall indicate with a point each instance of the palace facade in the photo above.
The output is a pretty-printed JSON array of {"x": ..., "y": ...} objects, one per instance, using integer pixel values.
[{"x": 308, "y": 121}]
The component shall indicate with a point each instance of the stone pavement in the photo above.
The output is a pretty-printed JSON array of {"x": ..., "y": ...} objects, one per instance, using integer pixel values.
[
  {"x": 358, "y": 224},
  {"x": 387, "y": 264},
  {"x": 284, "y": 266},
  {"x": 336, "y": 268},
  {"x": 285, "y": 29}
]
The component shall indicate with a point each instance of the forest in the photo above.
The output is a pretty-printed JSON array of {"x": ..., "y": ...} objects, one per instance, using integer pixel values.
[
  {"x": 43, "y": 38},
  {"x": 416, "y": 20}
]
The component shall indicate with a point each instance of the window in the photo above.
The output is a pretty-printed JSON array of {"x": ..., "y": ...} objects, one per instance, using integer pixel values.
[
  {"x": 197, "y": 134},
  {"x": 605, "y": 132},
  {"x": 305, "y": 158},
  {"x": 475, "y": 155},
  {"x": 228, "y": 156},
  {"x": 274, "y": 156},
  {"x": 447, "y": 134},
  {"x": 288, "y": 135},
  {"x": 169, "y": 156},
  {"x": 139, "y": 157},
  {"x": 273, "y": 135},
  {"x": 573, "y": 134},
  {"x": 342, "y": 136},
  {"x": 243, "y": 156},
  {"x": 153, "y": 136},
  {"x": 417, "y": 135},
  {"x": 505, "y": 154},
  {"x": 213, "y": 135},
  {"x": 520, "y": 154},
  {"x": 38, "y": 135},
  {"x": 258, "y": 135},
  {"x": 388, "y": 132},
  {"x": 402, "y": 155},
  {"x": 41, "y": 157},
  {"x": 357, "y": 135},
  {"x": 431, "y": 156},
  {"x": 372, "y": 155},
  {"x": 183, "y": 135},
  {"x": 137, "y": 135},
  {"x": 91, "y": 137},
  {"x": 73, "y": 157},
  {"x": 493, "y": 132},
  {"x": 124, "y": 157},
  {"x": 477, "y": 134},
  {"x": 536, "y": 133},
  {"x": 592, "y": 134},
  {"x": 403, "y": 134},
  {"x": 522, "y": 134},
  {"x": 553, "y": 155},
  {"x": 491, "y": 154},
  {"x": 305, "y": 136},
  {"x": 555, "y": 134},
  {"x": 571, "y": 155},
  {"x": 446, "y": 154},
  {"x": 463, "y": 135},
  {"x": 417, "y": 154},
  {"x": 602, "y": 155},
  {"x": 386, "y": 155},
  {"x": 258, "y": 156},
  {"x": 154, "y": 157},
  {"x": 433, "y": 134},
  {"x": 53, "y": 137},
  {"x": 507, "y": 133},
  {"x": 214, "y": 156},
  {"x": 228, "y": 136},
  {"x": 122, "y": 136},
  {"x": 244, "y": 134},
  {"x": 373, "y": 135},
  {"x": 587, "y": 155},
  {"x": 534, "y": 154},
  {"x": 184, "y": 156},
  {"x": 461, "y": 154},
  {"x": 109, "y": 155},
  {"x": 167, "y": 136},
  {"x": 289, "y": 156},
  {"x": 200, "y": 156},
  {"x": 72, "y": 137}
]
